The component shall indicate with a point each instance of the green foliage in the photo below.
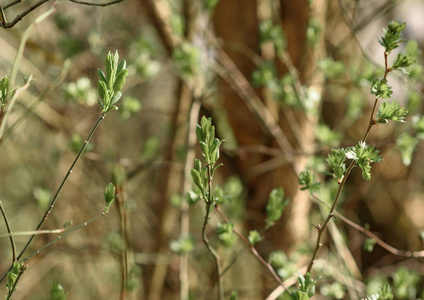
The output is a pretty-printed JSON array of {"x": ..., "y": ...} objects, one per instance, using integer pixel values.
[
  {"x": 369, "y": 245},
  {"x": 364, "y": 155},
  {"x": 12, "y": 277},
  {"x": 226, "y": 234},
  {"x": 392, "y": 36},
  {"x": 4, "y": 89},
  {"x": 210, "y": 4},
  {"x": 57, "y": 292},
  {"x": 283, "y": 265},
  {"x": 183, "y": 245},
  {"x": 275, "y": 206},
  {"x": 111, "y": 83},
  {"x": 402, "y": 61},
  {"x": 331, "y": 68},
  {"x": 186, "y": 58},
  {"x": 334, "y": 290},
  {"x": 274, "y": 33},
  {"x": 336, "y": 161},
  {"x": 306, "y": 287},
  {"x": 80, "y": 91},
  {"x": 254, "y": 237},
  {"x": 406, "y": 145},
  {"x": 391, "y": 111},
  {"x": 405, "y": 283},
  {"x": 109, "y": 195},
  {"x": 130, "y": 107},
  {"x": 43, "y": 197},
  {"x": 326, "y": 136},
  {"x": 306, "y": 180},
  {"x": 264, "y": 75},
  {"x": 313, "y": 31},
  {"x": 142, "y": 56},
  {"x": 381, "y": 89},
  {"x": 284, "y": 91}
]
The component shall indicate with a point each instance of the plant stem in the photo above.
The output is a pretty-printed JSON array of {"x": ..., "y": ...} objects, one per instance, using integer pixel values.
[
  {"x": 252, "y": 249},
  {"x": 52, "y": 203},
  {"x": 63, "y": 235},
  {"x": 120, "y": 201},
  {"x": 12, "y": 241},
  {"x": 322, "y": 227},
  {"x": 209, "y": 203}
]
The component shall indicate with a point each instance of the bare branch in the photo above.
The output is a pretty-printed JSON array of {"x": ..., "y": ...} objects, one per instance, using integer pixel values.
[{"x": 96, "y": 4}]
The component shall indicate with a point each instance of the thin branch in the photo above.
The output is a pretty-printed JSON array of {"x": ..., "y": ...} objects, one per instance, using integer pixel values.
[
  {"x": 215, "y": 255},
  {"x": 23, "y": 14},
  {"x": 96, "y": 4},
  {"x": 63, "y": 235},
  {"x": 252, "y": 249},
  {"x": 36, "y": 232},
  {"x": 322, "y": 227},
  {"x": 52, "y": 203},
  {"x": 372, "y": 235},
  {"x": 12, "y": 242},
  {"x": 11, "y": 103},
  {"x": 12, "y": 3}
]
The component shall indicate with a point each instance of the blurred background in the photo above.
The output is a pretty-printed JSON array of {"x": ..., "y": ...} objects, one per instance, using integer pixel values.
[{"x": 283, "y": 81}]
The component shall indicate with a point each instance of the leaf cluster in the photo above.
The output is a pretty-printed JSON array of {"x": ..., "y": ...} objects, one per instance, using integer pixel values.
[
  {"x": 12, "y": 277},
  {"x": 392, "y": 36},
  {"x": 391, "y": 111},
  {"x": 275, "y": 206},
  {"x": 336, "y": 161},
  {"x": 306, "y": 180},
  {"x": 110, "y": 84},
  {"x": 274, "y": 33},
  {"x": 202, "y": 175},
  {"x": 381, "y": 89},
  {"x": 225, "y": 234},
  {"x": 364, "y": 155}
]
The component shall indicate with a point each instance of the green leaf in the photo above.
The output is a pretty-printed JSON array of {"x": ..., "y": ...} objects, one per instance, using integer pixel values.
[
  {"x": 336, "y": 161},
  {"x": 306, "y": 180},
  {"x": 364, "y": 155},
  {"x": 402, "y": 61},
  {"x": 391, "y": 111},
  {"x": 406, "y": 145},
  {"x": 103, "y": 92},
  {"x": 381, "y": 89},
  {"x": 197, "y": 179},
  {"x": 275, "y": 206},
  {"x": 264, "y": 75},
  {"x": 226, "y": 234},
  {"x": 254, "y": 237},
  {"x": 109, "y": 195},
  {"x": 115, "y": 98},
  {"x": 392, "y": 36},
  {"x": 369, "y": 245},
  {"x": 120, "y": 80},
  {"x": 122, "y": 65},
  {"x": 101, "y": 75},
  {"x": 57, "y": 292},
  {"x": 182, "y": 245}
]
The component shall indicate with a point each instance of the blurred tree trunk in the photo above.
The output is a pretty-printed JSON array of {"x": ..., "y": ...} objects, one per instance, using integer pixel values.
[{"x": 240, "y": 26}]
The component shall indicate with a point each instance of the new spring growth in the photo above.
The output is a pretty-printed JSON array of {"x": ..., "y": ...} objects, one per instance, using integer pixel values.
[
  {"x": 109, "y": 195},
  {"x": 12, "y": 276},
  {"x": 209, "y": 144},
  {"x": 392, "y": 36},
  {"x": 4, "y": 87},
  {"x": 110, "y": 85}
]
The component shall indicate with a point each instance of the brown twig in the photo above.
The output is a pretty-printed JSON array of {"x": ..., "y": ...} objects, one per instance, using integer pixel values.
[
  {"x": 96, "y": 4},
  {"x": 23, "y": 14},
  {"x": 252, "y": 249},
  {"x": 9, "y": 231},
  {"x": 372, "y": 235}
]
